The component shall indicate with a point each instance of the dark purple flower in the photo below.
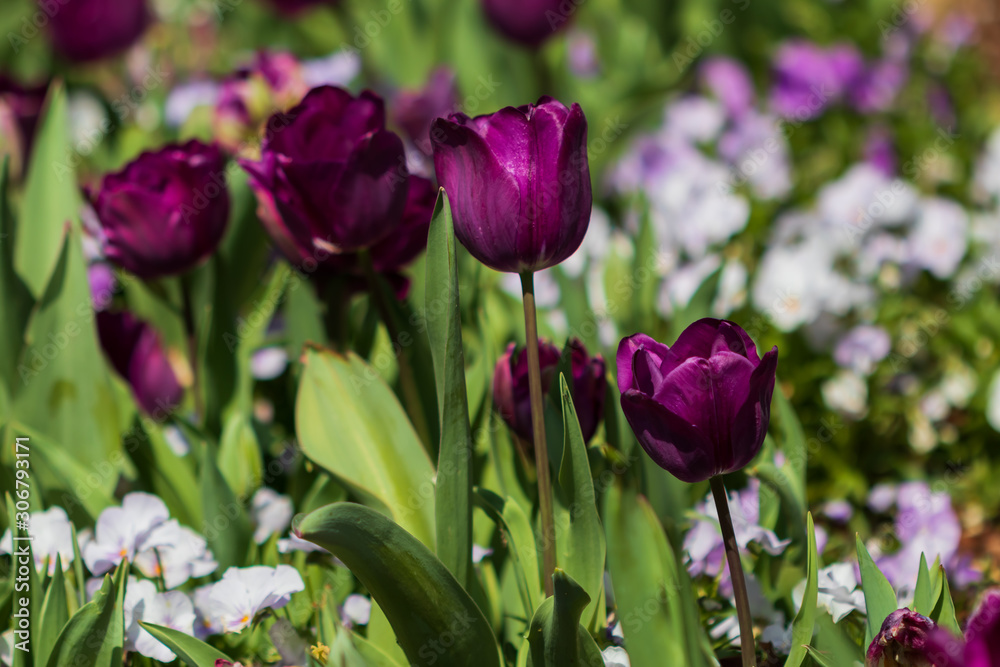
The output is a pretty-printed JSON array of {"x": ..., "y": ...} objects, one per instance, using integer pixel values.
[
  {"x": 730, "y": 82},
  {"x": 700, "y": 408},
  {"x": 807, "y": 78},
  {"x": 84, "y": 30},
  {"x": 415, "y": 110},
  {"x": 102, "y": 285},
  {"x": 528, "y": 22},
  {"x": 20, "y": 108},
  {"x": 518, "y": 182},
  {"x": 880, "y": 151},
  {"x": 331, "y": 179},
  {"x": 511, "y": 392},
  {"x": 981, "y": 647},
  {"x": 902, "y": 641},
  {"x": 877, "y": 87},
  {"x": 166, "y": 211},
  {"x": 293, "y": 7},
  {"x": 135, "y": 351}
]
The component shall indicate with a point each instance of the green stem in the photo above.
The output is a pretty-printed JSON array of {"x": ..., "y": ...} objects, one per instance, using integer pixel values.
[
  {"x": 747, "y": 647},
  {"x": 192, "y": 336},
  {"x": 538, "y": 429},
  {"x": 333, "y": 293}
]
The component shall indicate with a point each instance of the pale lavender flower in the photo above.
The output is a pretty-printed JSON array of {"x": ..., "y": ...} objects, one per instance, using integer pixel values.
[
  {"x": 186, "y": 97},
  {"x": 245, "y": 592},
  {"x": 103, "y": 284},
  {"x": 838, "y": 510},
  {"x": 337, "y": 69},
  {"x": 356, "y": 610},
  {"x": 172, "y": 609},
  {"x": 880, "y": 151},
  {"x": 878, "y": 86},
  {"x": 53, "y": 536},
  {"x": 862, "y": 348},
  {"x": 206, "y": 622},
  {"x": 271, "y": 512},
  {"x": 729, "y": 81},
  {"x": 938, "y": 240},
  {"x": 757, "y": 149},
  {"x": 268, "y": 363},
  {"x": 183, "y": 555},
  {"x": 693, "y": 119},
  {"x": 808, "y": 78},
  {"x": 124, "y": 531},
  {"x": 581, "y": 54}
]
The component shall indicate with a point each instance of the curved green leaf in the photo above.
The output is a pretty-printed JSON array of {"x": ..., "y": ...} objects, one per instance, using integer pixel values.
[
  {"x": 924, "y": 596},
  {"x": 95, "y": 634},
  {"x": 350, "y": 422},
  {"x": 805, "y": 620},
  {"x": 55, "y": 614},
  {"x": 880, "y": 598},
  {"x": 435, "y": 620},
  {"x": 226, "y": 522},
  {"x": 189, "y": 649},
  {"x": 944, "y": 609},
  {"x": 521, "y": 546},
  {"x": 555, "y": 636}
]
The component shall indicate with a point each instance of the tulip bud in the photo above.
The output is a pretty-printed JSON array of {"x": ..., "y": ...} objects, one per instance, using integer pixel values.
[
  {"x": 981, "y": 647},
  {"x": 518, "y": 182},
  {"x": 529, "y": 22},
  {"x": 511, "y": 392},
  {"x": 902, "y": 641},
  {"x": 85, "y": 30},
  {"x": 135, "y": 351},
  {"x": 331, "y": 179},
  {"x": 166, "y": 211},
  {"x": 700, "y": 408},
  {"x": 415, "y": 111}
]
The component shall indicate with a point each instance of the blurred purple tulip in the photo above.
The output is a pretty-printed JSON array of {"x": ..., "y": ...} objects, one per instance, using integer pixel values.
[
  {"x": 902, "y": 641},
  {"x": 981, "y": 647},
  {"x": 135, "y": 351},
  {"x": 415, "y": 110},
  {"x": 166, "y": 211},
  {"x": 85, "y": 30},
  {"x": 511, "y": 392},
  {"x": 20, "y": 108},
  {"x": 700, "y": 408},
  {"x": 529, "y": 22},
  {"x": 518, "y": 182},
  {"x": 331, "y": 179}
]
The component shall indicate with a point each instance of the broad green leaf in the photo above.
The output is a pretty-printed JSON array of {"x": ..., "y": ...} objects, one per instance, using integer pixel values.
[
  {"x": 580, "y": 545},
  {"x": 189, "y": 649},
  {"x": 647, "y": 582},
  {"x": 520, "y": 539},
  {"x": 95, "y": 634},
  {"x": 239, "y": 455},
  {"x": 821, "y": 659},
  {"x": 15, "y": 306},
  {"x": 805, "y": 620},
  {"x": 350, "y": 423},
  {"x": 924, "y": 597},
  {"x": 834, "y": 643},
  {"x": 944, "y": 610},
  {"x": 555, "y": 636},
  {"x": 65, "y": 391},
  {"x": 51, "y": 198},
  {"x": 453, "y": 488},
  {"x": 226, "y": 525},
  {"x": 421, "y": 598},
  {"x": 55, "y": 614},
  {"x": 792, "y": 440},
  {"x": 880, "y": 598}
]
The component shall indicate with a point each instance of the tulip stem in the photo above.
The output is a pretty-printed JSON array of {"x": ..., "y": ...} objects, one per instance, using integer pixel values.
[
  {"x": 538, "y": 429},
  {"x": 192, "y": 336},
  {"x": 747, "y": 647}
]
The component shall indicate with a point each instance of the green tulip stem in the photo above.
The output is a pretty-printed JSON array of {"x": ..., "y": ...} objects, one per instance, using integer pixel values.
[
  {"x": 538, "y": 429},
  {"x": 747, "y": 648},
  {"x": 192, "y": 337}
]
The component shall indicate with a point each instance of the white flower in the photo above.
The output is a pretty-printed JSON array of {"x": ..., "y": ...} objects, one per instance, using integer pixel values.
[
  {"x": 846, "y": 392},
  {"x": 479, "y": 553},
  {"x": 693, "y": 118},
  {"x": 615, "y": 656},
  {"x": 337, "y": 69},
  {"x": 206, "y": 623},
  {"x": 271, "y": 511},
  {"x": 683, "y": 283},
  {"x": 778, "y": 636},
  {"x": 757, "y": 149},
  {"x": 862, "y": 347},
  {"x": 862, "y": 200},
  {"x": 7, "y": 647},
  {"x": 176, "y": 440},
  {"x": 184, "y": 98},
  {"x": 356, "y": 610},
  {"x": 295, "y": 543},
  {"x": 183, "y": 555},
  {"x": 245, "y": 592},
  {"x": 732, "y": 288},
  {"x": 838, "y": 591},
  {"x": 124, "y": 531},
  {"x": 52, "y": 535},
  {"x": 993, "y": 403},
  {"x": 172, "y": 609},
  {"x": 938, "y": 240},
  {"x": 268, "y": 363}
]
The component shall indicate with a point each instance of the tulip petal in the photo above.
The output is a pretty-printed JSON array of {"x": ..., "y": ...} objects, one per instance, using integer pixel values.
[
  {"x": 982, "y": 632},
  {"x": 325, "y": 125},
  {"x": 670, "y": 440},
  {"x": 751, "y": 420},
  {"x": 646, "y": 376},
  {"x": 627, "y": 349}
]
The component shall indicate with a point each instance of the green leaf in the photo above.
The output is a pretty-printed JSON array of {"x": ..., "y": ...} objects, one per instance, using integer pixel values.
[
  {"x": 226, "y": 526},
  {"x": 239, "y": 455},
  {"x": 421, "y": 598},
  {"x": 521, "y": 547},
  {"x": 350, "y": 423},
  {"x": 55, "y": 614},
  {"x": 51, "y": 199},
  {"x": 15, "y": 306},
  {"x": 648, "y": 582},
  {"x": 820, "y": 659},
  {"x": 189, "y": 649},
  {"x": 805, "y": 620},
  {"x": 555, "y": 636},
  {"x": 924, "y": 596},
  {"x": 880, "y": 598},
  {"x": 580, "y": 545},
  {"x": 944, "y": 610},
  {"x": 453, "y": 489},
  {"x": 95, "y": 634}
]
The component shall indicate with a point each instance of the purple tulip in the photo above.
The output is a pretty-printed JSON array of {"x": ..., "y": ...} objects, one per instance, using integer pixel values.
[
  {"x": 20, "y": 108},
  {"x": 511, "y": 393},
  {"x": 331, "y": 179},
  {"x": 415, "y": 110},
  {"x": 700, "y": 408},
  {"x": 902, "y": 641},
  {"x": 528, "y": 22},
  {"x": 85, "y": 30},
  {"x": 166, "y": 211},
  {"x": 293, "y": 7},
  {"x": 135, "y": 351},
  {"x": 518, "y": 182},
  {"x": 981, "y": 647}
]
